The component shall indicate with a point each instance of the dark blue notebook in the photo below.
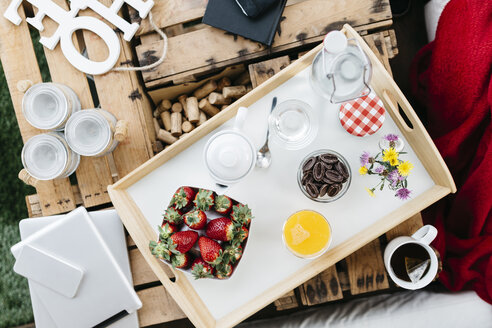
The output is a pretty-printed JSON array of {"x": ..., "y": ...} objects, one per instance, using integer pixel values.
[{"x": 228, "y": 16}]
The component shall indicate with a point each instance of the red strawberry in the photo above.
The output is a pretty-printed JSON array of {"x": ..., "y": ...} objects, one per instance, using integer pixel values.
[
  {"x": 204, "y": 199},
  {"x": 223, "y": 204},
  {"x": 196, "y": 219},
  {"x": 201, "y": 269},
  {"x": 233, "y": 252},
  {"x": 221, "y": 229},
  {"x": 241, "y": 235},
  {"x": 182, "y": 241},
  {"x": 160, "y": 250},
  {"x": 173, "y": 216},
  {"x": 166, "y": 230},
  {"x": 224, "y": 271},
  {"x": 181, "y": 261},
  {"x": 210, "y": 250},
  {"x": 183, "y": 197},
  {"x": 241, "y": 214}
]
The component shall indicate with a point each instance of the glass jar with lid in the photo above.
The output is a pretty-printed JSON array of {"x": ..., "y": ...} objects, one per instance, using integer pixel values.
[
  {"x": 91, "y": 132},
  {"x": 48, "y": 106},
  {"x": 47, "y": 156},
  {"x": 341, "y": 71}
]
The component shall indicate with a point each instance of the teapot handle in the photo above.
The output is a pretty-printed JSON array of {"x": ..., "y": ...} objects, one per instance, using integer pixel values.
[{"x": 242, "y": 112}]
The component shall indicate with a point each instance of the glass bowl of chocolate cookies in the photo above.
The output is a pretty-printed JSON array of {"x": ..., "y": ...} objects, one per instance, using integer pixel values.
[{"x": 324, "y": 176}]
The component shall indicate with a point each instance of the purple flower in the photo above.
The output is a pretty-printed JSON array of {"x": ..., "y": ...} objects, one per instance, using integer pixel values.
[
  {"x": 379, "y": 169},
  {"x": 403, "y": 193},
  {"x": 364, "y": 158},
  {"x": 391, "y": 137},
  {"x": 393, "y": 176}
]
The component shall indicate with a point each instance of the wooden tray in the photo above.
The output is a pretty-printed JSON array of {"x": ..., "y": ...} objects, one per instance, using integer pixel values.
[{"x": 184, "y": 291}]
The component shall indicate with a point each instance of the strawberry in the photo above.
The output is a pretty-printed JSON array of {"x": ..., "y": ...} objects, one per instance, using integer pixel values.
[
  {"x": 166, "y": 230},
  {"x": 224, "y": 271},
  {"x": 241, "y": 214},
  {"x": 233, "y": 252},
  {"x": 160, "y": 250},
  {"x": 181, "y": 261},
  {"x": 241, "y": 235},
  {"x": 223, "y": 204},
  {"x": 201, "y": 269},
  {"x": 173, "y": 216},
  {"x": 221, "y": 229},
  {"x": 204, "y": 199},
  {"x": 182, "y": 198},
  {"x": 196, "y": 219},
  {"x": 182, "y": 241},
  {"x": 211, "y": 250}
]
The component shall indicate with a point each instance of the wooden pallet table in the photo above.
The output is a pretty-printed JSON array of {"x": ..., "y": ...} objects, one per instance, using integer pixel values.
[{"x": 122, "y": 94}]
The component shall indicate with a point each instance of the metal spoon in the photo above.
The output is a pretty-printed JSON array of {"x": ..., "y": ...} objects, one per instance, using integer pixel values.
[{"x": 263, "y": 156}]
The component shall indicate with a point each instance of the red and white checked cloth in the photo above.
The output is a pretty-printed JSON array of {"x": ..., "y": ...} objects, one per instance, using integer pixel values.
[{"x": 362, "y": 116}]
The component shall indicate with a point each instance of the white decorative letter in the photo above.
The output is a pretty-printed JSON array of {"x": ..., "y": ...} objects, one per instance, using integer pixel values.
[{"x": 68, "y": 23}]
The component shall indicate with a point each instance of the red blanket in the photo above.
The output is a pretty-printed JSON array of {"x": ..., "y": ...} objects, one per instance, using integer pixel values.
[{"x": 452, "y": 77}]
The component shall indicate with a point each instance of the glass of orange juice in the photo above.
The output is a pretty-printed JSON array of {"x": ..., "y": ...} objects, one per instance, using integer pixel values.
[{"x": 307, "y": 234}]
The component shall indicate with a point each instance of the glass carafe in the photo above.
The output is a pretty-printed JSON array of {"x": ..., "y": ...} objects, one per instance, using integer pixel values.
[{"x": 341, "y": 71}]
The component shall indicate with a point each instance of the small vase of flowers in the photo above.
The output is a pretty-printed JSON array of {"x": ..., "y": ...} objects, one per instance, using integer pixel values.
[{"x": 391, "y": 169}]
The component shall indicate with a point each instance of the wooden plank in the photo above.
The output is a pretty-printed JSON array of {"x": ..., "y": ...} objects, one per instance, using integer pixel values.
[
  {"x": 260, "y": 72},
  {"x": 20, "y": 63},
  {"x": 121, "y": 94},
  {"x": 377, "y": 43},
  {"x": 406, "y": 228},
  {"x": 175, "y": 12},
  {"x": 170, "y": 12},
  {"x": 324, "y": 287},
  {"x": 288, "y": 301},
  {"x": 366, "y": 270},
  {"x": 93, "y": 173},
  {"x": 141, "y": 271},
  {"x": 157, "y": 307},
  {"x": 34, "y": 205},
  {"x": 218, "y": 49}
]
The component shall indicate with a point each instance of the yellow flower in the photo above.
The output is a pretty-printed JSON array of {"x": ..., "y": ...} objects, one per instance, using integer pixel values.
[
  {"x": 390, "y": 154},
  {"x": 404, "y": 168},
  {"x": 363, "y": 170},
  {"x": 370, "y": 192},
  {"x": 394, "y": 161}
]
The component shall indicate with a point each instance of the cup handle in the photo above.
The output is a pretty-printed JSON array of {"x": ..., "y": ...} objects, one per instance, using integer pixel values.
[
  {"x": 242, "y": 112},
  {"x": 426, "y": 234}
]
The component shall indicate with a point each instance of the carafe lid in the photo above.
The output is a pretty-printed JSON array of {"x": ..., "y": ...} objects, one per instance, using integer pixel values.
[
  {"x": 229, "y": 156},
  {"x": 335, "y": 42}
]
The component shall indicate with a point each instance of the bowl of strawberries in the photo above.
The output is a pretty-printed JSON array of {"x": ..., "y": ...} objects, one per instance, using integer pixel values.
[{"x": 203, "y": 233}]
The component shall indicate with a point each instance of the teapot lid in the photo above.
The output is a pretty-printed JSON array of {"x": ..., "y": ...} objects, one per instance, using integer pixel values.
[{"x": 229, "y": 156}]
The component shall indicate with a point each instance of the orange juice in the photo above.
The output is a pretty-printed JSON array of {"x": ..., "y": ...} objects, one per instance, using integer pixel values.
[{"x": 307, "y": 233}]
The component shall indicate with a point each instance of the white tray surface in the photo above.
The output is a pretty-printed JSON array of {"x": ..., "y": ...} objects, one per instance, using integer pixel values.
[{"x": 273, "y": 194}]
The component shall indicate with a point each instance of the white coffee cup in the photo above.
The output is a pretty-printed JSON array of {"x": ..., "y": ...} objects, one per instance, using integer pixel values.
[{"x": 423, "y": 237}]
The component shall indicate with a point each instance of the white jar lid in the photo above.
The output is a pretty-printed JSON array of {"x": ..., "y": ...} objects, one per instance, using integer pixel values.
[
  {"x": 335, "y": 42},
  {"x": 229, "y": 156},
  {"x": 45, "y": 157},
  {"x": 88, "y": 133},
  {"x": 45, "y": 106}
]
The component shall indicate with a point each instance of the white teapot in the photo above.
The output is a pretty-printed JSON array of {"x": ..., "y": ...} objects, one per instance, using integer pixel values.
[{"x": 230, "y": 155}]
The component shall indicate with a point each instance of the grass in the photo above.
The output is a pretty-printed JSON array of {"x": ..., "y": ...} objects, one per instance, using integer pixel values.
[{"x": 15, "y": 301}]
